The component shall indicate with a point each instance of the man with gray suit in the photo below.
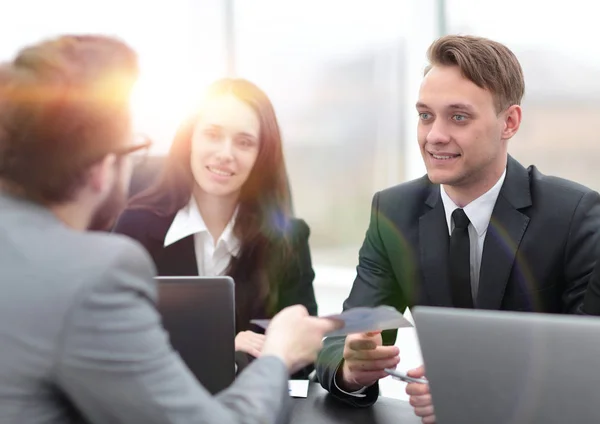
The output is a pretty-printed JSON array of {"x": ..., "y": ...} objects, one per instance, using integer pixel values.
[{"x": 79, "y": 333}]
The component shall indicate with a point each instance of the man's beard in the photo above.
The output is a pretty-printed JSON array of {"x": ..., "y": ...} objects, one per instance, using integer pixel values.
[{"x": 105, "y": 216}]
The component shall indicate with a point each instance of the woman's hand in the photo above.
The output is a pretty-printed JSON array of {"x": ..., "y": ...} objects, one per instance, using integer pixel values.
[{"x": 249, "y": 342}]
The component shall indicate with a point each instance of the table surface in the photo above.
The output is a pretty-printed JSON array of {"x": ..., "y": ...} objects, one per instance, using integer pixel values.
[{"x": 320, "y": 408}]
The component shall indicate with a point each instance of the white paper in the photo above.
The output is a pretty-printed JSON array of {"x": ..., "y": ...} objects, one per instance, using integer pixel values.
[
  {"x": 360, "y": 320},
  {"x": 298, "y": 388}
]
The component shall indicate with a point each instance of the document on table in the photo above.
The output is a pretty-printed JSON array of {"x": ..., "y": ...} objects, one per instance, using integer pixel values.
[{"x": 298, "y": 388}]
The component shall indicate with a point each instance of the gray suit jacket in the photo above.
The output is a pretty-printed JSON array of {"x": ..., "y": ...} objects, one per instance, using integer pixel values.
[{"x": 81, "y": 340}]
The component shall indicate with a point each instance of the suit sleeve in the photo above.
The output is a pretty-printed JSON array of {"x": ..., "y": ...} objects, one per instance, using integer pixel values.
[
  {"x": 297, "y": 289},
  {"x": 591, "y": 303},
  {"x": 581, "y": 254},
  {"x": 374, "y": 285},
  {"x": 116, "y": 364}
]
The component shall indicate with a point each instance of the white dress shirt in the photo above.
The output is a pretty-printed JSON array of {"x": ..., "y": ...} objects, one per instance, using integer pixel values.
[
  {"x": 212, "y": 257},
  {"x": 479, "y": 212}
]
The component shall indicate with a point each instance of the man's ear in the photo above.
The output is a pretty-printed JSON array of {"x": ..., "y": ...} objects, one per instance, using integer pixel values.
[
  {"x": 102, "y": 174},
  {"x": 512, "y": 121}
]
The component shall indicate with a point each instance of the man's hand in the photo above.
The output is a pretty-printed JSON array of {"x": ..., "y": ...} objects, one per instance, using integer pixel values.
[
  {"x": 420, "y": 398},
  {"x": 296, "y": 337},
  {"x": 365, "y": 359}
]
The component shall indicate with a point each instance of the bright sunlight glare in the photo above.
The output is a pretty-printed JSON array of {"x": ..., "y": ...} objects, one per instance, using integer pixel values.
[{"x": 160, "y": 104}]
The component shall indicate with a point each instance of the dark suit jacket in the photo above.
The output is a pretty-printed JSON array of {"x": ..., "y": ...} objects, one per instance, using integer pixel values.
[
  {"x": 538, "y": 254},
  {"x": 179, "y": 259},
  {"x": 591, "y": 303}
]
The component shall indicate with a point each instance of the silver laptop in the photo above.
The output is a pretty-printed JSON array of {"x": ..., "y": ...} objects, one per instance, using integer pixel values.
[
  {"x": 199, "y": 315},
  {"x": 507, "y": 367}
]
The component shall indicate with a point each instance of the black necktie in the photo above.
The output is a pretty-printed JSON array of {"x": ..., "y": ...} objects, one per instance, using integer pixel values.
[{"x": 459, "y": 261}]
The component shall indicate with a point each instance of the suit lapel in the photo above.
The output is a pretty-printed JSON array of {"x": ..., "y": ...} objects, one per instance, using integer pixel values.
[
  {"x": 504, "y": 234},
  {"x": 433, "y": 245},
  {"x": 179, "y": 259}
]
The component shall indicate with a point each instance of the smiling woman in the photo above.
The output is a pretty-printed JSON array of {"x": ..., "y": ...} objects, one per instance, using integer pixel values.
[{"x": 222, "y": 207}]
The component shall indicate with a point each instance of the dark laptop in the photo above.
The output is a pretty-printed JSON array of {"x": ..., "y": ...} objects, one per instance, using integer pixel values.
[{"x": 199, "y": 315}]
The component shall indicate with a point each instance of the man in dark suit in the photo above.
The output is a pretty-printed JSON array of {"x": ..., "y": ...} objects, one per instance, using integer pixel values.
[{"x": 478, "y": 231}]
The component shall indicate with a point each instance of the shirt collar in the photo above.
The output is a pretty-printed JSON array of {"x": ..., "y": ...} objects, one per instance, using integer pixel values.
[
  {"x": 228, "y": 237},
  {"x": 188, "y": 221},
  {"x": 479, "y": 211}
]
